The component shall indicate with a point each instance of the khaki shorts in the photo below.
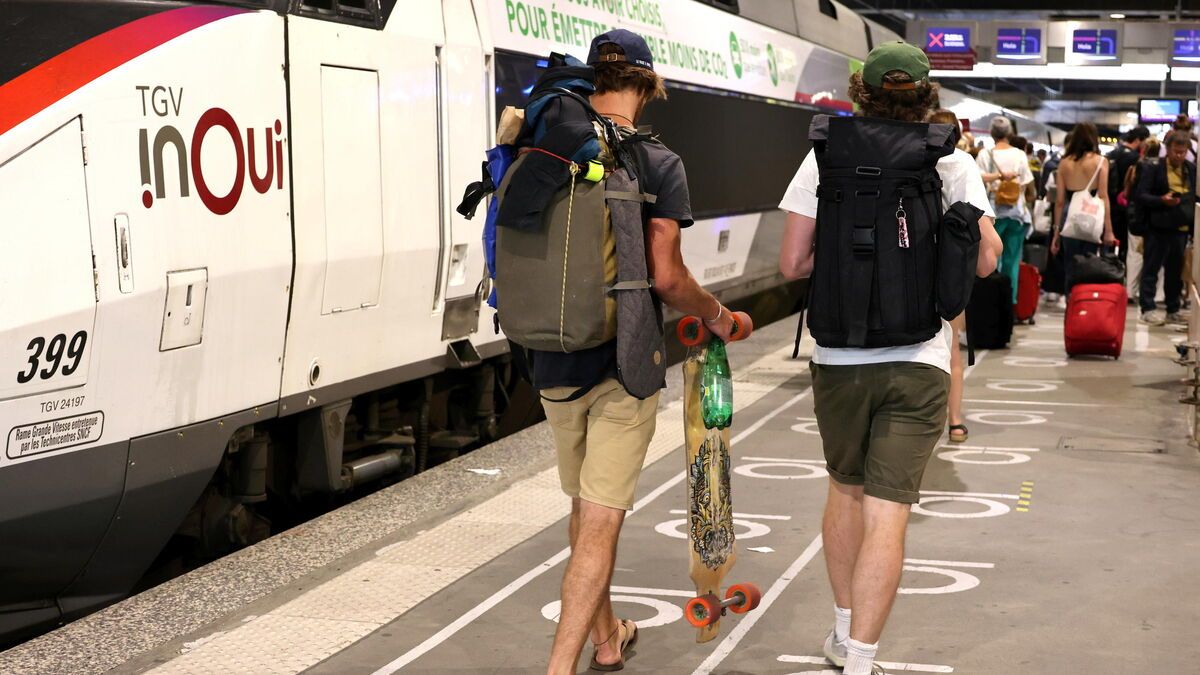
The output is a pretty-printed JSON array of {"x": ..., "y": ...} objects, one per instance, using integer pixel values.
[
  {"x": 879, "y": 424},
  {"x": 602, "y": 439}
]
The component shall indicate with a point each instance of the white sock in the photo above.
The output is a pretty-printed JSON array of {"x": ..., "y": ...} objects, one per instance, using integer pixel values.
[
  {"x": 859, "y": 657},
  {"x": 841, "y": 624}
]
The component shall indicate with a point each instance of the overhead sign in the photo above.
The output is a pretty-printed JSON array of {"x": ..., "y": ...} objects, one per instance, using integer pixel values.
[
  {"x": 690, "y": 42},
  {"x": 1185, "y": 45},
  {"x": 1093, "y": 44},
  {"x": 947, "y": 40},
  {"x": 1021, "y": 43},
  {"x": 948, "y": 46}
]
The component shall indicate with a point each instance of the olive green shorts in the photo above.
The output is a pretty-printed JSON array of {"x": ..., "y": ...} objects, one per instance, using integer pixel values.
[
  {"x": 602, "y": 438},
  {"x": 879, "y": 424}
]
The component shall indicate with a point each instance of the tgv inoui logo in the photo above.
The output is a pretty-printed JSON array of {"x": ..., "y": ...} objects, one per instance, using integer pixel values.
[{"x": 165, "y": 101}]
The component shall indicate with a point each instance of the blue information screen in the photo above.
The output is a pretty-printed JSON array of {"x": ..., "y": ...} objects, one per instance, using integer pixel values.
[
  {"x": 948, "y": 40},
  {"x": 1186, "y": 46},
  {"x": 1095, "y": 43},
  {"x": 1019, "y": 43},
  {"x": 1158, "y": 110}
]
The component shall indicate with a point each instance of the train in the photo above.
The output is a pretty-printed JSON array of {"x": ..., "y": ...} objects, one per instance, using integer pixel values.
[{"x": 232, "y": 278}]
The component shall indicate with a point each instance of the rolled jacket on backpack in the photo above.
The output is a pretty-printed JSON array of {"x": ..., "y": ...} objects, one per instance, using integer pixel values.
[
  {"x": 545, "y": 171},
  {"x": 957, "y": 258}
]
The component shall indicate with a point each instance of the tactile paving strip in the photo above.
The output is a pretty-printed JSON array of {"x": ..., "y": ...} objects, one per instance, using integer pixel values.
[{"x": 343, "y": 610}]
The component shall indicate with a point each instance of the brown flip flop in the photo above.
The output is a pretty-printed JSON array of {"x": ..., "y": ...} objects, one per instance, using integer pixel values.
[{"x": 628, "y": 641}]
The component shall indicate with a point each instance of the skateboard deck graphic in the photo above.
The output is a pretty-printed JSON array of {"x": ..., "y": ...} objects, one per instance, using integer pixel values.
[{"x": 711, "y": 542}]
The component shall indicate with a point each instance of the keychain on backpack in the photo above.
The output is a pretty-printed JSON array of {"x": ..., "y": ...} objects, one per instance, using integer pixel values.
[{"x": 902, "y": 223}]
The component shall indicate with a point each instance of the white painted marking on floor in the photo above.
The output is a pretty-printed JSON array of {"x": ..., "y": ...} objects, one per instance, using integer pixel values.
[
  {"x": 637, "y": 590},
  {"x": 1049, "y": 403},
  {"x": 676, "y": 529},
  {"x": 743, "y": 627},
  {"x": 889, "y": 665},
  {"x": 990, "y": 495},
  {"x": 519, "y": 583},
  {"x": 960, "y": 581},
  {"x": 1023, "y": 386},
  {"x": 665, "y": 613},
  {"x": 751, "y": 516},
  {"x": 1005, "y": 418},
  {"x": 1141, "y": 338},
  {"x": 950, "y": 563}
]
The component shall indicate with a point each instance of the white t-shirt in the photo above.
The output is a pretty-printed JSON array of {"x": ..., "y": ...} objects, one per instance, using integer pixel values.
[
  {"x": 1008, "y": 160},
  {"x": 960, "y": 183}
]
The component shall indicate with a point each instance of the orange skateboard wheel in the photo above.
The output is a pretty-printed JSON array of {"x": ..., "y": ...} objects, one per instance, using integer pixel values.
[
  {"x": 691, "y": 331},
  {"x": 703, "y": 611},
  {"x": 743, "y": 325},
  {"x": 750, "y": 597}
]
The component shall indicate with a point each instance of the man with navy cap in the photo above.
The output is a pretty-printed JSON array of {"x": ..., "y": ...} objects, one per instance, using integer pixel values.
[{"x": 601, "y": 431}]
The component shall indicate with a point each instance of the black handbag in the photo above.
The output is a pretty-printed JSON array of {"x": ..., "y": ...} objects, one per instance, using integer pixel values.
[{"x": 1096, "y": 269}]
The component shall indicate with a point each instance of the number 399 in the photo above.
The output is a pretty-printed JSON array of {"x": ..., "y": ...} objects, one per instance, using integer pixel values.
[{"x": 51, "y": 355}]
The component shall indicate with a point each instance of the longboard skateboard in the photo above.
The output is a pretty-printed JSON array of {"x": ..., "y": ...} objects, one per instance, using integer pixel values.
[{"x": 711, "y": 548}]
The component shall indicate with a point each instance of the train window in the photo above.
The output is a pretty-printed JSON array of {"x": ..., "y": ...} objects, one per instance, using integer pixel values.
[
  {"x": 728, "y": 5},
  {"x": 776, "y": 133},
  {"x": 363, "y": 12},
  {"x": 827, "y": 8}
]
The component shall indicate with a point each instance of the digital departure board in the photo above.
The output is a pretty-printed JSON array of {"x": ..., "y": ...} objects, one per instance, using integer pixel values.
[
  {"x": 1159, "y": 110},
  {"x": 1019, "y": 44},
  {"x": 1096, "y": 44},
  {"x": 1185, "y": 47}
]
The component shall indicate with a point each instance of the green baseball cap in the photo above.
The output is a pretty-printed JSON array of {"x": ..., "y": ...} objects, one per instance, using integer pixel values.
[{"x": 891, "y": 56}]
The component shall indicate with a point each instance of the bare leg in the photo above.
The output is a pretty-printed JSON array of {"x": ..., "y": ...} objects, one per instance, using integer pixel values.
[
  {"x": 842, "y": 532},
  {"x": 604, "y": 623},
  {"x": 585, "y": 583},
  {"x": 957, "y": 369},
  {"x": 877, "y": 571}
]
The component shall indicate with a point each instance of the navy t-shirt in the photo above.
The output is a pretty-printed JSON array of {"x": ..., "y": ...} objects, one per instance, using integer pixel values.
[{"x": 664, "y": 177}]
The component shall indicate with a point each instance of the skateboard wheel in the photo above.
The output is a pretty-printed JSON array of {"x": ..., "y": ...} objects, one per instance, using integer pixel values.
[
  {"x": 691, "y": 331},
  {"x": 750, "y": 597},
  {"x": 703, "y": 611},
  {"x": 743, "y": 325}
]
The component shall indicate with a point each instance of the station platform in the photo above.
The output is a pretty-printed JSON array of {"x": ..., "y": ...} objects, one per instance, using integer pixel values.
[{"x": 1060, "y": 538}]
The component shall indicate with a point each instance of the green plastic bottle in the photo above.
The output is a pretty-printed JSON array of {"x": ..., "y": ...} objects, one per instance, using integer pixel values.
[{"x": 716, "y": 401}]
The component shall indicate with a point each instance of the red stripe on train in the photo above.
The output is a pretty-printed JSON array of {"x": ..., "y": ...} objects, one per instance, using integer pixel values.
[{"x": 35, "y": 90}]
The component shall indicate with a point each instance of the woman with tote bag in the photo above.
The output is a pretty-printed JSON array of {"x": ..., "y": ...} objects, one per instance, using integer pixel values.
[{"x": 1081, "y": 209}]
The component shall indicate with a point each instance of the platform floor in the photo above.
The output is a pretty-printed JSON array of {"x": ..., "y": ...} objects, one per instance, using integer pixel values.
[{"x": 1062, "y": 537}]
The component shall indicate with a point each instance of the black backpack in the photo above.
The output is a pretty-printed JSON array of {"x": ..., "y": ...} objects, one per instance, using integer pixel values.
[
  {"x": 876, "y": 273},
  {"x": 990, "y": 313}
]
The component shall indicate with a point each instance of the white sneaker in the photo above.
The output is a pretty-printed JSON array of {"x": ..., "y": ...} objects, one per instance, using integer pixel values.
[
  {"x": 1176, "y": 318},
  {"x": 1155, "y": 317},
  {"x": 835, "y": 651}
]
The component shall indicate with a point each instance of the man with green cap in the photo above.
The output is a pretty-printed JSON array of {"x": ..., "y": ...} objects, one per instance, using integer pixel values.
[{"x": 881, "y": 367}]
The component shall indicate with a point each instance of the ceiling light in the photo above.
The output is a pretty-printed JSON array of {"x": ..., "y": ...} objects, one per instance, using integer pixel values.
[{"x": 1116, "y": 16}]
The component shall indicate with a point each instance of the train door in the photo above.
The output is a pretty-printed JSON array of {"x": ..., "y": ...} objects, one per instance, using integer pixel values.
[
  {"x": 364, "y": 102},
  {"x": 465, "y": 84},
  {"x": 59, "y": 481}
]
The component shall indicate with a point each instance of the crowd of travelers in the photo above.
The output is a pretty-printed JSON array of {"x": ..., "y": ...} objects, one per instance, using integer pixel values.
[{"x": 916, "y": 238}]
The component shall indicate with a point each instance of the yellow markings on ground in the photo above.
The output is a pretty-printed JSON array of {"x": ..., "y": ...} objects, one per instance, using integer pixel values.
[{"x": 1026, "y": 496}]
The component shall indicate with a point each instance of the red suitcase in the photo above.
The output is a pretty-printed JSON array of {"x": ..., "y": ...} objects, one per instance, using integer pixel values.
[
  {"x": 1029, "y": 284},
  {"x": 1095, "y": 322}
]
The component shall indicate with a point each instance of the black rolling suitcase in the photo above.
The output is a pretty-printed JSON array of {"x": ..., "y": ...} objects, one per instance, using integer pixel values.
[
  {"x": 1037, "y": 255},
  {"x": 990, "y": 313}
]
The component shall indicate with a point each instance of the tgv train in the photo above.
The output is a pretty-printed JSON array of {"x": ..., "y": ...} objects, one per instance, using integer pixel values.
[{"x": 231, "y": 274}]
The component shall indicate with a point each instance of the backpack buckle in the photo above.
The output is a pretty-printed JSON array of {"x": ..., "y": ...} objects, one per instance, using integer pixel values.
[
  {"x": 862, "y": 240},
  {"x": 868, "y": 171}
]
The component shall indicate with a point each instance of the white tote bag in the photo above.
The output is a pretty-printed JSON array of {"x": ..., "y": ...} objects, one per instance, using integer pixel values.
[
  {"x": 1043, "y": 216},
  {"x": 1085, "y": 214}
]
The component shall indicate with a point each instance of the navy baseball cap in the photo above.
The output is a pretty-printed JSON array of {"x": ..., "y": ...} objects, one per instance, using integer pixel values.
[{"x": 637, "y": 52}]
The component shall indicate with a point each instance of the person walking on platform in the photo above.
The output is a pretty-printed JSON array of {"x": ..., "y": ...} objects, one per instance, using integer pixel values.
[
  {"x": 1167, "y": 195},
  {"x": 1006, "y": 172},
  {"x": 601, "y": 431},
  {"x": 1081, "y": 168},
  {"x": 958, "y": 325},
  {"x": 880, "y": 393},
  {"x": 1135, "y": 219},
  {"x": 1123, "y": 157}
]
